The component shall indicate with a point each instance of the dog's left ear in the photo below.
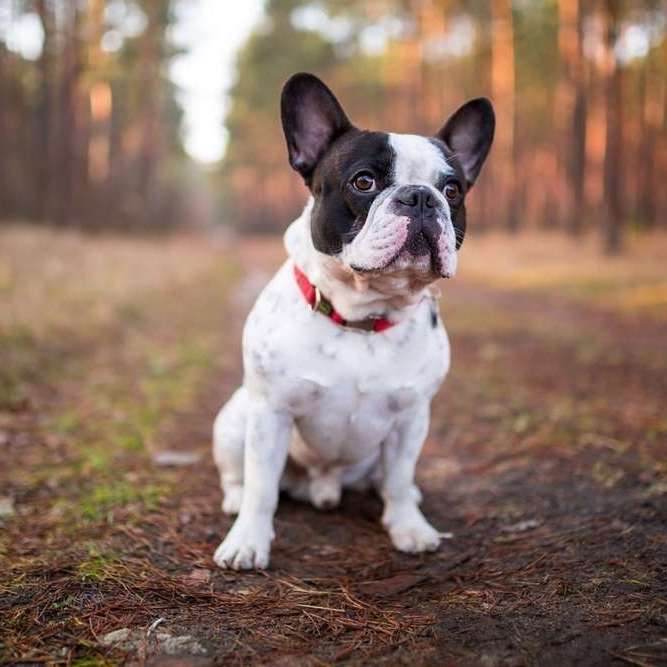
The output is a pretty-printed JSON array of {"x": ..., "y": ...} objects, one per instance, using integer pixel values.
[
  {"x": 312, "y": 120},
  {"x": 469, "y": 133}
]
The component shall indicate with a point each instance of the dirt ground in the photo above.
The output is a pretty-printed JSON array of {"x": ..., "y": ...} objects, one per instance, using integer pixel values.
[{"x": 546, "y": 461}]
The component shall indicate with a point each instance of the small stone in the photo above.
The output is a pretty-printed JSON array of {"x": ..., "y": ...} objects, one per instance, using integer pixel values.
[
  {"x": 173, "y": 458},
  {"x": 181, "y": 644},
  {"x": 115, "y": 637},
  {"x": 521, "y": 527},
  {"x": 7, "y": 508}
]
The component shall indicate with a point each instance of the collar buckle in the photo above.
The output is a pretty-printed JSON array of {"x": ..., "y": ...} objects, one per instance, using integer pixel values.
[{"x": 321, "y": 304}]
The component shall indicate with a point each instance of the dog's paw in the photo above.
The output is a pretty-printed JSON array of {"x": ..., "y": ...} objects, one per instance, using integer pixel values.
[
  {"x": 231, "y": 503},
  {"x": 411, "y": 533},
  {"x": 245, "y": 548},
  {"x": 325, "y": 493}
]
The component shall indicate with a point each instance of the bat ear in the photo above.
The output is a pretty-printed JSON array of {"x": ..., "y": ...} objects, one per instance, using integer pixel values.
[
  {"x": 469, "y": 133},
  {"x": 312, "y": 120}
]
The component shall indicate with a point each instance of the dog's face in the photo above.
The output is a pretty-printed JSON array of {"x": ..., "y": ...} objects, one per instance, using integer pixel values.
[{"x": 384, "y": 202}]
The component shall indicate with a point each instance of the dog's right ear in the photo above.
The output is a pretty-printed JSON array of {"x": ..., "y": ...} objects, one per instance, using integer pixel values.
[{"x": 312, "y": 120}]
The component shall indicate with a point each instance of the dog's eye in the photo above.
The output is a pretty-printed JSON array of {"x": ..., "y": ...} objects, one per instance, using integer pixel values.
[
  {"x": 452, "y": 191},
  {"x": 363, "y": 182}
]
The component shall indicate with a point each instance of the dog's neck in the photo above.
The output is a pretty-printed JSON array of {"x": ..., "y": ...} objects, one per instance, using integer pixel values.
[{"x": 354, "y": 296}]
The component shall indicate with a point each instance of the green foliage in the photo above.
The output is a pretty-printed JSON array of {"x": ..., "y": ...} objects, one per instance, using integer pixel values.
[
  {"x": 101, "y": 500},
  {"x": 98, "y": 566},
  {"x": 17, "y": 356}
]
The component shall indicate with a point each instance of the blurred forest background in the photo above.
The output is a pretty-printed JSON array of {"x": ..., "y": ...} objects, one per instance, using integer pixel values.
[
  {"x": 547, "y": 454},
  {"x": 91, "y": 130}
]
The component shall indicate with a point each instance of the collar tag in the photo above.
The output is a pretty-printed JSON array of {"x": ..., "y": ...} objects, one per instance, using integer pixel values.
[{"x": 321, "y": 305}]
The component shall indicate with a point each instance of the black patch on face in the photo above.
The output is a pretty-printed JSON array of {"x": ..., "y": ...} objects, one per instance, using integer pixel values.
[
  {"x": 340, "y": 210},
  {"x": 457, "y": 208}
]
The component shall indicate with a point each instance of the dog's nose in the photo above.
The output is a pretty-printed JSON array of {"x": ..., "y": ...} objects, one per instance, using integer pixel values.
[{"x": 416, "y": 197}]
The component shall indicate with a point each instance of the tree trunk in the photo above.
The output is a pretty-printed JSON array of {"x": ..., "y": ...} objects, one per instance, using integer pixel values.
[
  {"x": 99, "y": 97},
  {"x": 44, "y": 166},
  {"x": 149, "y": 76},
  {"x": 431, "y": 29},
  {"x": 502, "y": 85},
  {"x": 613, "y": 224},
  {"x": 652, "y": 109},
  {"x": 576, "y": 158},
  {"x": 68, "y": 148},
  {"x": 596, "y": 131},
  {"x": 4, "y": 132}
]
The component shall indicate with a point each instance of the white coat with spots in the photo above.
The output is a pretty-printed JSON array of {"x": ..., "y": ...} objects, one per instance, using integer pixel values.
[
  {"x": 347, "y": 407},
  {"x": 323, "y": 407}
]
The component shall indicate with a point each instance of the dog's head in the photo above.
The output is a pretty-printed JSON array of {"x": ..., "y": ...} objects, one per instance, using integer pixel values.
[{"x": 384, "y": 202}]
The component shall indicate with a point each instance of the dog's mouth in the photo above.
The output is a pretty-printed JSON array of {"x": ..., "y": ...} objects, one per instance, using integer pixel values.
[
  {"x": 426, "y": 265},
  {"x": 423, "y": 242},
  {"x": 419, "y": 254},
  {"x": 417, "y": 247}
]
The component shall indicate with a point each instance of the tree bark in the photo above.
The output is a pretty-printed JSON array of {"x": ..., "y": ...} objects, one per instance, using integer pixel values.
[
  {"x": 571, "y": 22},
  {"x": 68, "y": 148},
  {"x": 652, "y": 99},
  {"x": 149, "y": 76},
  {"x": 44, "y": 166},
  {"x": 502, "y": 85},
  {"x": 613, "y": 186}
]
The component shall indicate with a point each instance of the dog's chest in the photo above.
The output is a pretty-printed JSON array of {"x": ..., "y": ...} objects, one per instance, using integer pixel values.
[
  {"x": 347, "y": 419},
  {"x": 345, "y": 389}
]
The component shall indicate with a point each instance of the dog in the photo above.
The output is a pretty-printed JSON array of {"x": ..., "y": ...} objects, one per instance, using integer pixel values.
[{"x": 344, "y": 348}]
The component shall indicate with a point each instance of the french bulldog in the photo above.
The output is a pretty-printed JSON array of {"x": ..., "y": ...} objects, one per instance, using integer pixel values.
[{"x": 344, "y": 348}]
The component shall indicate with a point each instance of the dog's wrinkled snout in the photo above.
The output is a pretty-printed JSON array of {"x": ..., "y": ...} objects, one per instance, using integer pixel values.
[
  {"x": 419, "y": 204},
  {"x": 415, "y": 199}
]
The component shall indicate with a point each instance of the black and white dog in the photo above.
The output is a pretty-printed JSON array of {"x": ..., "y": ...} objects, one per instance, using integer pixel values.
[{"x": 344, "y": 348}]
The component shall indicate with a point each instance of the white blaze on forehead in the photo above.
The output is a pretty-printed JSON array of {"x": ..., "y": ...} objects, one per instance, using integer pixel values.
[{"x": 416, "y": 160}]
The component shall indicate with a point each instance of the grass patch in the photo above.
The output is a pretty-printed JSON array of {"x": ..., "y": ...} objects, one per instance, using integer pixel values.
[
  {"x": 65, "y": 423},
  {"x": 98, "y": 566},
  {"x": 18, "y": 363},
  {"x": 104, "y": 499}
]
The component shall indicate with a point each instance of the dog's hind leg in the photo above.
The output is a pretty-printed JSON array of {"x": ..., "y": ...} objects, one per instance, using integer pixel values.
[
  {"x": 368, "y": 476},
  {"x": 228, "y": 449}
]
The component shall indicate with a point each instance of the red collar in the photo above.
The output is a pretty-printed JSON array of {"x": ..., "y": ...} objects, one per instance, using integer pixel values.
[{"x": 322, "y": 305}]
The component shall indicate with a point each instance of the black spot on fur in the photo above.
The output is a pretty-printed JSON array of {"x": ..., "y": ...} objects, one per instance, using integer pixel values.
[
  {"x": 434, "y": 316},
  {"x": 340, "y": 211}
]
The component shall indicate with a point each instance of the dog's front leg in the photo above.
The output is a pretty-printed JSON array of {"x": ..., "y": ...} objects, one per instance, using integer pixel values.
[
  {"x": 408, "y": 529},
  {"x": 248, "y": 543}
]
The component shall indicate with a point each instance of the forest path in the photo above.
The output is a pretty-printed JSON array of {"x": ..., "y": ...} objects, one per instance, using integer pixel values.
[{"x": 546, "y": 462}]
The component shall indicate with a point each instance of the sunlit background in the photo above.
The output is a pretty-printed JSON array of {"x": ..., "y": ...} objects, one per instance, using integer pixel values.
[{"x": 137, "y": 114}]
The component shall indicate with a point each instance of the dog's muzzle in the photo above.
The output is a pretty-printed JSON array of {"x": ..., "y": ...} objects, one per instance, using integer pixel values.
[{"x": 418, "y": 203}]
